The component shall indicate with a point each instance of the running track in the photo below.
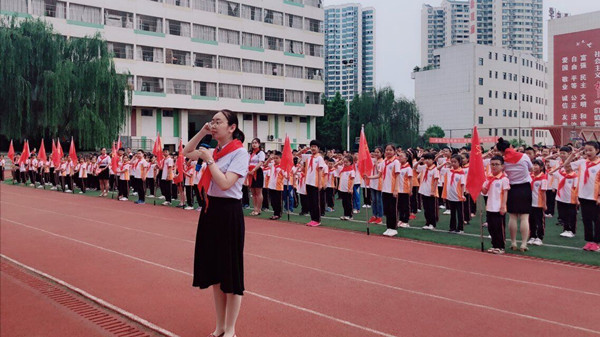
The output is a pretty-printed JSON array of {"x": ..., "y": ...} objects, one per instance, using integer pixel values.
[{"x": 300, "y": 281}]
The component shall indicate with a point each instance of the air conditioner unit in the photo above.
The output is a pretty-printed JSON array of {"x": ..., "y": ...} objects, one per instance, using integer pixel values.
[{"x": 270, "y": 138}]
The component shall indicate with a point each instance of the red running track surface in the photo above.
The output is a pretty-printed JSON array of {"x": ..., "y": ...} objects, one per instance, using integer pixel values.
[{"x": 300, "y": 281}]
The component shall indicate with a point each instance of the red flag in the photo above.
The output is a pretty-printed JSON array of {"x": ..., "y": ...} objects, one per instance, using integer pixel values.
[
  {"x": 54, "y": 155},
  {"x": 114, "y": 161},
  {"x": 365, "y": 165},
  {"x": 72, "y": 153},
  {"x": 119, "y": 144},
  {"x": 59, "y": 149},
  {"x": 287, "y": 159},
  {"x": 157, "y": 151},
  {"x": 42, "y": 154},
  {"x": 179, "y": 164},
  {"x": 11, "y": 152},
  {"x": 25, "y": 154},
  {"x": 476, "y": 174}
]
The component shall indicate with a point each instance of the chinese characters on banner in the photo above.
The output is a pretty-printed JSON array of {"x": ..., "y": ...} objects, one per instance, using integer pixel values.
[
  {"x": 433, "y": 140},
  {"x": 577, "y": 78}
]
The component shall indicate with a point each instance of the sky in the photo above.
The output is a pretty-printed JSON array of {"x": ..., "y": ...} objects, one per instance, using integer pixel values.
[{"x": 398, "y": 36}]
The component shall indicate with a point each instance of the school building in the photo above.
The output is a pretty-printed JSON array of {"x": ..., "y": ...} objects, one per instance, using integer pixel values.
[{"x": 263, "y": 59}]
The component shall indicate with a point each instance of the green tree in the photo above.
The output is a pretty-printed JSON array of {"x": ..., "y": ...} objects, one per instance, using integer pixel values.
[
  {"x": 57, "y": 87},
  {"x": 434, "y": 131},
  {"x": 331, "y": 125}
]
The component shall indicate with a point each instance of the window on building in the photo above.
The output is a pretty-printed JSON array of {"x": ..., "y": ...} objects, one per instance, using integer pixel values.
[
  {"x": 480, "y": 120},
  {"x": 205, "y": 60},
  {"x": 181, "y": 3},
  {"x": 481, "y": 81},
  {"x": 294, "y": 96},
  {"x": 480, "y": 100},
  {"x": 252, "y": 66},
  {"x": 294, "y": 47},
  {"x": 229, "y": 36},
  {"x": 253, "y": 93},
  {"x": 229, "y": 8},
  {"x": 263, "y": 118},
  {"x": 274, "y": 94},
  {"x": 178, "y": 28},
  {"x": 167, "y": 113},
  {"x": 179, "y": 87},
  {"x": 274, "y": 69},
  {"x": 118, "y": 19},
  {"x": 251, "y": 13},
  {"x": 247, "y": 117},
  {"x": 85, "y": 13},
  {"x": 293, "y": 71},
  {"x": 229, "y": 91},
  {"x": 147, "y": 113},
  {"x": 121, "y": 50},
  {"x": 273, "y": 17},
  {"x": 293, "y": 21},
  {"x": 205, "y": 89},
  {"x": 289, "y": 119},
  {"x": 205, "y": 33},
  {"x": 179, "y": 57},
  {"x": 481, "y": 61},
  {"x": 150, "y": 84},
  {"x": 303, "y": 119},
  {"x": 149, "y": 23},
  {"x": 229, "y": 63},
  {"x": 205, "y": 5}
]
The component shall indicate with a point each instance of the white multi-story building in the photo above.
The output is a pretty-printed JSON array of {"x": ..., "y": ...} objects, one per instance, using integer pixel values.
[
  {"x": 443, "y": 26},
  {"x": 349, "y": 50},
  {"x": 503, "y": 92},
  {"x": 511, "y": 24},
  {"x": 190, "y": 58}
]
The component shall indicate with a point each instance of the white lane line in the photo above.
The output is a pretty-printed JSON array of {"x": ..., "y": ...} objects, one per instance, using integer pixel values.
[
  {"x": 95, "y": 299},
  {"x": 364, "y": 328},
  {"x": 483, "y": 275},
  {"x": 373, "y": 237},
  {"x": 414, "y": 292}
]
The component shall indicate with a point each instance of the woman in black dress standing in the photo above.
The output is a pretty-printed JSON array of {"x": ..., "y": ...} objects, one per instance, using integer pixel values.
[
  {"x": 517, "y": 167},
  {"x": 218, "y": 260}
]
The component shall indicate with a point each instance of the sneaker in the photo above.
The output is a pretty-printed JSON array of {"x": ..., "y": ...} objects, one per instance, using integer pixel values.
[
  {"x": 134, "y": 193},
  {"x": 564, "y": 234},
  {"x": 473, "y": 215},
  {"x": 68, "y": 191},
  {"x": 412, "y": 217},
  {"x": 595, "y": 248},
  {"x": 499, "y": 251},
  {"x": 315, "y": 224},
  {"x": 587, "y": 246},
  {"x": 31, "y": 184},
  {"x": 387, "y": 231},
  {"x": 53, "y": 189},
  {"x": 189, "y": 208},
  {"x": 484, "y": 224},
  {"x": 310, "y": 223},
  {"x": 151, "y": 196},
  {"x": 538, "y": 242},
  {"x": 368, "y": 206},
  {"x": 166, "y": 203},
  {"x": 355, "y": 211},
  {"x": 547, "y": 215},
  {"x": 403, "y": 225},
  {"x": 80, "y": 192},
  {"x": 123, "y": 199},
  {"x": 40, "y": 186},
  {"x": 531, "y": 241},
  {"x": 419, "y": 211},
  {"x": 162, "y": 197},
  {"x": 328, "y": 209},
  {"x": 428, "y": 227},
  {"x": 364, "y": 206},
  {"x": 390, "y": 232},
  {"x": 460, "y": 232},
  {"x": 378, "y": 221},
  {"x": 343, "y": 217},
  {"x": 447, "y": 212},
  {"x": 442, "y": 207},
  {"x": 570, "y": 235}
]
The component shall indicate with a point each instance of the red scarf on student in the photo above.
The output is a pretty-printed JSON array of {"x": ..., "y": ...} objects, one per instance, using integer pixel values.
[
  {"x": 217, "y": 154},
  {"x": 347, "y": 169},
  {"x": 491, "y": 179},
  {"x": 429, "y": 168},
  {"x": 588, "y": 166},
  {"x": 562, "y": 182},
  {"x": 251, "y": 167},
  {"x": 310, "y": 163},
  {"x": 541, "y": 176},
  {"x": 386, "y": 163},
  {"x": 459, "y": 171},
  {"x": 512, "y": 156}
]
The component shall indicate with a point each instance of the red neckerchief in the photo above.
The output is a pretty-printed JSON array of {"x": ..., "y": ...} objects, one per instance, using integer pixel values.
[
  {"x": 429, "y": 168},
  {"x": 512, "y": 156},
  {"x": 386, "y": 163},
  {"x": 539, "y": 177},
  {"x": 217, "y": 154},
  {"x": 459, "y": 171},
  {"x": 310, "y": 163},
  {"x": 565, "y": 176},
  {"x": 588, "y": 166},
  {"x": 491, "y": 179},
  {"x": 252, "y": 167},
  {"x": 254, "y": 153},
  {"x": 347, "y": 169}
]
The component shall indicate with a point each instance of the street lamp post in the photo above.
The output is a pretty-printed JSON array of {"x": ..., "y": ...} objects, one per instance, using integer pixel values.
[{"x": 348, "y": 64}]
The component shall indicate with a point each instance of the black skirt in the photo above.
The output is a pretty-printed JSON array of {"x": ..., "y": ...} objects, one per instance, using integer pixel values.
[
  {"x": 219, "y": 254},
  {"x": 259, "y": 180},
  {"x": 104, "y": 174},
  {"x": 519, "y": 199}
]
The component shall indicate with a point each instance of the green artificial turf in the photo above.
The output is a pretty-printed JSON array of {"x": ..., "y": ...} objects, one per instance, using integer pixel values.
[{"x": 555, "y": 247}]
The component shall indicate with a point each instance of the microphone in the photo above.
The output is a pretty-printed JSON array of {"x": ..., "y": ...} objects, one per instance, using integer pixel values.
[{"x": 205, "y": 143}]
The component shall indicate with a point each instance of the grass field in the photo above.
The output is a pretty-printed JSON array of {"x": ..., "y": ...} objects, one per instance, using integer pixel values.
[{"x": 555, "y": 247}]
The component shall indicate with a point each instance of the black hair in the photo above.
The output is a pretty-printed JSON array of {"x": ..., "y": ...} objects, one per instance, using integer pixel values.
[
  {"x": 498, "y": 158},
  {"x": 458, "y": 158},
  {"x": 165, "y": 149},
  {"x": 277, "y": 153},
  {"x": 231, "y": 118},
  {"x": 121, "y": 149},
  {"x": 316, "y": 143},
  {"x": 140, "y": 150},
  {"x": 259, "y": 144},
  {"x": 295, "y": 160},
  {"x": 349, "y": 158},
  {"x": 429, "y": 156},
  {"x": 378, "y": 148},
  {"x": 392, "y": 145},
  {"x": 409, "y": 156},
  {"x": 567, "y": 149},
  {"x": 330, "y": 160},
  {"x": 529, "y": 148},
  {"x": 502, "y": 144},
  {"x": 466, "y": 156},
  {"x": 540, "y": 164},
  {"x": 594, "y": 144}
]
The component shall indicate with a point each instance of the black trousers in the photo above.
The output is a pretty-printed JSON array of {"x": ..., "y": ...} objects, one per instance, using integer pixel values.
[
  {"x": 275, "y": 197},
  {"x": 189, "y": 195},
  {"x": 496, "y": 224},
  {"x": 415, "y": 200},
  {"x": 245, "y": 196},
  {"x": 567, "y": 216},
  {"x": 53, "y": 179},
  {"x": 390, "y": 210},
  {"x": 265, "y": 203},
  {"x": 304, "y": 205},
  {"x": 550, "y": 201},
  {"x": 141, "y": 189},
  {"x": 165, "y": 189},
  {"x": 456, "y": 215},
  {"x": 467, "y": 208},
  {"x": 430, "y": 210},
  {"x": 82, "y": 182},
  {"x": 150, "y": 184},
  {"x": 403, "y": 207},
  {"x": 322, "y": 197},
  {"x": 314, "y": 202},
  {"x": 346, "y": 203},
  {"x": 329, "y": 197},
  {"x": 590, "y": 216},
  {"x": 2, "y": 174},
  {"x": 367, "y": 196},
  {"x": 174, "y": 191},
  {"x": 199, "y": 196},
  {"x": 124, "y": 188},
  {"x": 442, "y": 201},
  {"x": 537, "y": 224},
  {"x": 112, "y": 182}
]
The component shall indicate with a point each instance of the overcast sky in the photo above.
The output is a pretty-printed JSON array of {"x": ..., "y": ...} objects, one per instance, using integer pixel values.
[{"x": 398, "y": 36}]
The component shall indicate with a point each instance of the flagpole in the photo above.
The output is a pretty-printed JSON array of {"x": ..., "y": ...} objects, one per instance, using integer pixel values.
[
  {"x": 366, "y": 211},
  {"x": 481, "y": 227}
]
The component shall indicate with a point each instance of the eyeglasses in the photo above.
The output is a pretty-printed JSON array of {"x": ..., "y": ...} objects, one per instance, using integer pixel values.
[{"x": 216, "y": 122}]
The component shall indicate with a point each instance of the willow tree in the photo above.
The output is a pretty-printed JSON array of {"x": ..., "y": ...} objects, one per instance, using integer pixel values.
[{"x": 52, "y": 86}]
